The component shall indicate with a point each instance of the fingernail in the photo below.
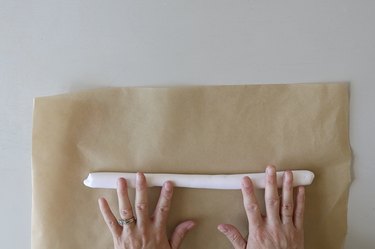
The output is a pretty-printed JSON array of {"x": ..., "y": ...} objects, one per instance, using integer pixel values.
[
  {"x": 138, "y": 176},
  {"x": 190, "y": 225},
  {"x": 270, "y": 170},
  {"x": 246, "y": 182},
  {"x": 119, "y": 181},
  {"x": 168, "y": 186},
  {"x": 288, "y": 174},
  {"x": 222, "y": 229}
]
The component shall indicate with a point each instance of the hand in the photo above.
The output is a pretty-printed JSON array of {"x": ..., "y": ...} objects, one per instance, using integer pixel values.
[
  {"x": 147, "y": 232},
  {"x": 282, "y": 228}
]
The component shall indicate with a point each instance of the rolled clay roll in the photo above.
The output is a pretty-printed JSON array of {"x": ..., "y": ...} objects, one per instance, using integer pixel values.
[{"x": 109, "y": 180}]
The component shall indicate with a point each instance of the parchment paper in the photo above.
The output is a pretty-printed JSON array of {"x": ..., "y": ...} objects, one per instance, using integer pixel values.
[{"x": 200, "y": 130}]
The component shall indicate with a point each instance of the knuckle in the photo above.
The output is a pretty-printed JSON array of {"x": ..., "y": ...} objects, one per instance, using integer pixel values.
[
  {"x": 282, "y": 239},
  {"x": 259, "y": 236},
  {"x": 273, "y": 202},
  {"x": 142, "y": 228},
  {"x": 134, "y": 243},
  {"x": 180, "y": 233},
  {"x": 145, "y": 237},
  {"x": 251, "y": 207},
  {"x": 141, "y": 206},
  {"x": 234, "y": 237},
  {"x": 167, "y": 194},
  {"x": 111, "y": 223},
  {"x": 126, "y": 212},
  {"x": 160, "y": 237},
  {"x": 118, "y": 241},
  {"x": 287, "y": 207},
  {"x": 299, "y": 213},
  {"x": 141, "y": 186},
  {"x": 164, "y": 209}
]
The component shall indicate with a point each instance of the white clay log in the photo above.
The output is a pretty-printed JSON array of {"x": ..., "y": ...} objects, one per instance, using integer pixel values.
[{"x": 109, "y": 180}]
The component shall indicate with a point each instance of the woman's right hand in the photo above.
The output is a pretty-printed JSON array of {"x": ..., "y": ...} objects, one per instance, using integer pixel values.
[{"x": 282, "y": 228}]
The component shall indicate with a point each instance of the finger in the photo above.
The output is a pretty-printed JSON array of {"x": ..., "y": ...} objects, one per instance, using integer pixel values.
[
  {"x": 163, "y": 206},
  {"x": 300, "y": 208},
  {"x": 109, "y": 218},
  {"x": 287, "y": 199},
  {"x": 125, "y": 206},
  {"x": 233, "y": 235},
  {"x": 250, "y": 203},
  {"x": 271, "y": 196},
  {"x": 180, "y": 232},
  {"x": 141, "y": 205}
]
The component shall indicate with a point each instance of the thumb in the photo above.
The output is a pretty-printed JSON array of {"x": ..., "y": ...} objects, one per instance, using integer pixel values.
[
  {"x": 179, "y": 233},
  {"x": 233, "y": 235}
]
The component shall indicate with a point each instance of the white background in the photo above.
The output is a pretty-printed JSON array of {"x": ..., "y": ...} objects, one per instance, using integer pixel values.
[{"x": 50, "y": 47}]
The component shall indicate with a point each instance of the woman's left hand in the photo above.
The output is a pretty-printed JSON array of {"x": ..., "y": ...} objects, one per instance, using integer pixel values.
[{"x": 144, "y": 232}]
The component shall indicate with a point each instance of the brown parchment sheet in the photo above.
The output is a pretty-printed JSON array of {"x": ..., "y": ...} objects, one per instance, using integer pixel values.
[{"x": 198, "y": 130}]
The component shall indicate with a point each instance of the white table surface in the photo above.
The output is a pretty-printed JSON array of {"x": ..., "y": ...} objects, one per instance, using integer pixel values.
[{"x": 51, "y": 47}]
